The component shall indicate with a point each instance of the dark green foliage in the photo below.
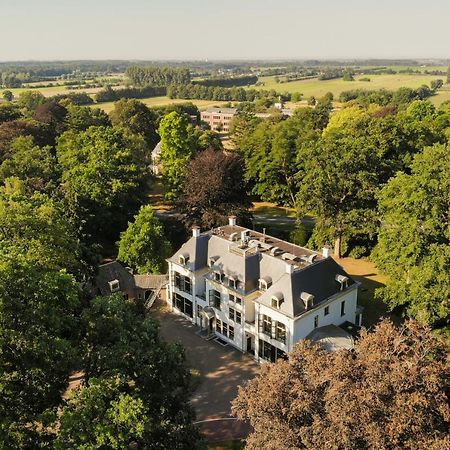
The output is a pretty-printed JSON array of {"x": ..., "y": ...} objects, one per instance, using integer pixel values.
[
  {"x": 77, "y": 98},
  {"x": 157, "y": 76},
  {"x": 104, "y": 177},
  {"x": 80, "y": 118},
  {"x": 243, "y": 80},
  {"x": 111, "y": 95},
  {"x": 133, "y": 116},
  {"x": 9, "y": 112},
  {"x": 414, "y": 242},
  {"x": 300, "y": 235}
]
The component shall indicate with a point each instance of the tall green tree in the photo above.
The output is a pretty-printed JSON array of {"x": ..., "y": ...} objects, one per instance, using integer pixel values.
[
  {"x": 178, "y": 145},
  {"x": 38, "y": 323},
  {"x": 143, "y": 245},
  {"x": 80, "y": 118},
  {"x": 414, "y": 239},
  {"x": 8, "y": 95},
  {"x": 134, "y": 116},
  {"x": 29, "y": 101},
  {"x": 104, "y": 177}
]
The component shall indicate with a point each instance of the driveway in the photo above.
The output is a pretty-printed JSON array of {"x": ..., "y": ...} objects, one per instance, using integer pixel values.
[{"x": 221, "y": 369}]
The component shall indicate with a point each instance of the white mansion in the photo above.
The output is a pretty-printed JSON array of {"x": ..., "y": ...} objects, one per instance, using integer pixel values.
[{"x": 258, "y": 293}]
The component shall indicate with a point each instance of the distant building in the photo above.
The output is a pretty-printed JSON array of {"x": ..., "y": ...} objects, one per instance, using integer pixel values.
[
  {"x": 113, "y": 277},
  {"x": 156, "y": 159},
  {"x": 261, "y": 294},
  {"x": 218, "y": 118}
]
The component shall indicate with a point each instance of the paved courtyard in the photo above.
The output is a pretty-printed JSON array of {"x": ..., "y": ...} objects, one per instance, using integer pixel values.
[{"x": 221, "y": 370}]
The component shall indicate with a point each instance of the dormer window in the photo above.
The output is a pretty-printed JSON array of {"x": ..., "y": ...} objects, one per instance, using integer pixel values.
[
  {"x": 219, "y": 277},
  {"x": 265, "y": 283},
  {"x": 277, "y": 300},
  {"x": 342, "y": 280},
  {"x": 307, "y": 299},
  {"x": 232, "y": 282},
  {"x": 183, "y": 259},
  {"x": 114, "y": 285},
  {"x": 211, "y": 261}
]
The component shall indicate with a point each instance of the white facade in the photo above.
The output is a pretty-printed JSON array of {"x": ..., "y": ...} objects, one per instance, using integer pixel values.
[{"x": 213, "y": 295}]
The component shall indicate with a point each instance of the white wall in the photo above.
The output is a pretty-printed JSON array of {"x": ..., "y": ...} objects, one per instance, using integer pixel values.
[{"x": 304, "y": 325}]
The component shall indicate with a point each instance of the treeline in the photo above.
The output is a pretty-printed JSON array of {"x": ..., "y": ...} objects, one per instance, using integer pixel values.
[
  {"x": 110, "y": 95},
  {"x": 237, "y": 94},
  {"x": 383, "y": 97},
  {"x": 77, "y": 98},
  {"x": 158, "y": 76},
  {"x": 228, "y": 81}
]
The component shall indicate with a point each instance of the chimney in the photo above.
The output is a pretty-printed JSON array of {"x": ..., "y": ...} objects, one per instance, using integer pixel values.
[
  {"x": 195, "y": 231},
  {"x": 232, "y": 221},
  {"x": 326, "y": 251},
  {"x": 289, "y": 268}
]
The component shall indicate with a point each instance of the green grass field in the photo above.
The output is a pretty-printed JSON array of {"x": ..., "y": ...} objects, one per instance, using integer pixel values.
[
  {"x": 318, "y": 88},
  {"x": 162, "y": 101}
]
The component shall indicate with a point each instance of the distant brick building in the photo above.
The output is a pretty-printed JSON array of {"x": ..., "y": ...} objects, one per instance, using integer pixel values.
[{"x": 218, "y": 118}]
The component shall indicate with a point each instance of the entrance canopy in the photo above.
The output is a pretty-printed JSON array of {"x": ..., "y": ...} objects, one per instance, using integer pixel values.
[
  {"x": 208, "y": 312},
  {"x": 332, "y": 338}
]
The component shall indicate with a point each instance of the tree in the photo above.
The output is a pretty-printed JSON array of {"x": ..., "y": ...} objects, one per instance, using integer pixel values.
[
  {"x": 104, "y": 178},
  {"x": 414, "y": 239},
  {"x": 34, "y": 226},
  {"x": 80, "y": 118},
  {"x": 436, "y": 84},
  {"x": 391, "y": 392},
  {"x": 143, "y": 245},
  {"x": 122, "y": 341},
  {"x": 135, "y": 117},
  {"x": 53, "y": 115},
  {"x": 177, "y": 149},
  {"x": 448, "y": 75},
  {"x": 36, "y": 166},
  {"x": 29, "y": 101},
  {"x": 8, "y": 96},
  {"x": 38, "y": 323},
  {"x": 8, "y": 112},
  {"x": 214, "y": 188}
]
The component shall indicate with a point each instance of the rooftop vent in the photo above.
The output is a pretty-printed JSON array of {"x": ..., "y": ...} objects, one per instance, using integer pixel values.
[
  {"x": 289, "y": 257},
  {"x": 233, "y": 237},
  {"x": 274, "y": 251},
  {"x": 245, "y": 235}
]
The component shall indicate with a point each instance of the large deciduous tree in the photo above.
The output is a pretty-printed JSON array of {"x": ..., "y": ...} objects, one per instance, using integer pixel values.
[
  {"x": 143, "y": 245},
  {"x": 38, "y": 323},
  {"x": 214, "y": 188},
  {"x": 414, "y": 239},
  {"x": 134, "y": 116},
  {"x": 178, "y": 145},
  {"x": 104, "y": 176},
  {"x": 390, "y": 392}
]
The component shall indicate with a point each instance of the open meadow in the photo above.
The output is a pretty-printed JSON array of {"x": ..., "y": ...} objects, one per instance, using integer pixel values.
[{"x": 318, "y": 88}]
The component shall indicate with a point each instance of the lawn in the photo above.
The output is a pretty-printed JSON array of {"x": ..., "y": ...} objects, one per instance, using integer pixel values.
[
  {"x": 162, "y": 101},
  {"x": 318, "y": 88}
]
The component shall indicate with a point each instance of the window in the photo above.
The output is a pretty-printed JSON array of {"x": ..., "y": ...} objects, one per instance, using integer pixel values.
[
  {"x": 219, "y": 277},
  {"x": 316, "y": 321},
  {"x": 343, "y": 308},
  {"x": 326, "y": 311},
  {"x": 235, "y": 316},
  {"x": 231, "y": 333},
  {"x": 182, "y": 283},
  {"x": 232, "y": 283},
  {"x": 199, "y": 311},
  {"x": 270, "y": 352},
  {"x": 114, "y": 285},
  {"x": 214, "y": 298},
  {"x": 267, "y": 325},
  {"x": 235, "y": 299},
  {"x": 219, "y": 326},
  {"x": 277, "y": 300},
  {"x": 265, "y": 283},
  {"x": 183, "y": 305},
  {"x": 224, "y": 329},
  {"x": 281, "y": 332}
]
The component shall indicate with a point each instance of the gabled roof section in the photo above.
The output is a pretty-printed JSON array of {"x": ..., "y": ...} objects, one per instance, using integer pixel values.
[
  {"x": 197, "y": 249},
  {"x": 317, "y": 279}
]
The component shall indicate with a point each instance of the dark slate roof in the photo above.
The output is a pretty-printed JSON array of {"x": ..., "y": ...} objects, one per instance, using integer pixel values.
[
  {"x": 318, "y": 279},
  {"x": 114, "y": 271}
]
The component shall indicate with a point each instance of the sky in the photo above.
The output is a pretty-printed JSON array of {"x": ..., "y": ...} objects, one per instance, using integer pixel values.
[{"x": 223, "y": 29}]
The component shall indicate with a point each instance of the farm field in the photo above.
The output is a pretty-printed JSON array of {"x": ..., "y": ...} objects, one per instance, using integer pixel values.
[
  {"x": 318, "y": 88},
  {"x": 161, "y": 101},
  {"x": 54, "y": 90}
]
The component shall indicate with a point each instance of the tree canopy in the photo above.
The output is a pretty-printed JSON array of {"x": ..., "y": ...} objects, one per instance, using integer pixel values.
[
  {"x": 143, "y": 245},
  {"x": 390, "y": 392}
]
